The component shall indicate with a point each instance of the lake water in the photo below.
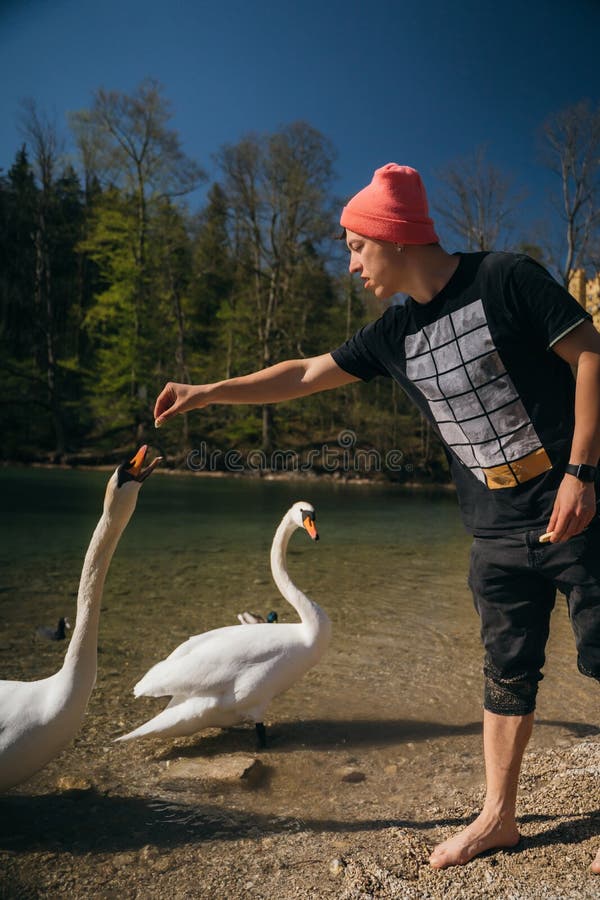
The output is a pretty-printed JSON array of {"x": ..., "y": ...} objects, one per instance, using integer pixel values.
[{"x": 397, "y": 695}]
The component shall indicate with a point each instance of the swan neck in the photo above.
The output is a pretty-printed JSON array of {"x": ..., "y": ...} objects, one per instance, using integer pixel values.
[
  {"x": 305, "y": 608},
  {"x": 82, "y": 651}
]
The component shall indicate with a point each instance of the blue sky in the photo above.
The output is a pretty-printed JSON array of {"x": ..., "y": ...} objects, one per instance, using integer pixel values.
[{"x": 421, "y": 84}]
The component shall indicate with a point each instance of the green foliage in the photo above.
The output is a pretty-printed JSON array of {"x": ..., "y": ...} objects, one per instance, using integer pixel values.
[{"x": 40, "y": 310}]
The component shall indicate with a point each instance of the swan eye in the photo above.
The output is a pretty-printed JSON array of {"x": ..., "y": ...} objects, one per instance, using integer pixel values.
[
  {"x": 124, "y": 475},
  {"x": 133, "y": 469}
]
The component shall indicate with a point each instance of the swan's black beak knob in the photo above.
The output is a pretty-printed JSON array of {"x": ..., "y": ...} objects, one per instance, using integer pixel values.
[
  {"x": 308, "y": 520},
  {"x": 134, "y": 469}
]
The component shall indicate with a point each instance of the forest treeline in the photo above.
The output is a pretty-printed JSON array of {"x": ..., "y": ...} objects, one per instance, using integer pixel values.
[{"x": 110, "y": 286}]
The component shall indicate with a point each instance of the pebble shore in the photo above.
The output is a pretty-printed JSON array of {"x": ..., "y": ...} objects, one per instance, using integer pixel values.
[{"x": 169, "y": 849}]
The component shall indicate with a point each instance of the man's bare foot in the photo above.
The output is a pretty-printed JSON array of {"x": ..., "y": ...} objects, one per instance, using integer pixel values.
[
  {"x": 482, "y": 834},
  {"x": 595, "y": 866}
]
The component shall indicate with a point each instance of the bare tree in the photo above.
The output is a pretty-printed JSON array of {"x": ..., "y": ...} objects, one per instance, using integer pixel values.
[
  {"x": 41, "y": 134},
  {"x": 126, "y": 142},
  {"x": 476, "y": 201},
  {"x": 278, "y": 193},
  {"x": 572, "y": 151}
]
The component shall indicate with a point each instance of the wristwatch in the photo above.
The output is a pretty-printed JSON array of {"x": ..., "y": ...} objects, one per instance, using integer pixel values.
[{"x": 584, "y": 473}]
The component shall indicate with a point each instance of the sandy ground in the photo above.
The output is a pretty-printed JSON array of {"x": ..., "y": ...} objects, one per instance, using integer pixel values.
[{"x": 76, "y": 837}]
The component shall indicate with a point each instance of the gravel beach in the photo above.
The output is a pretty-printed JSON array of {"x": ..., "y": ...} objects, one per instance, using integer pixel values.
[{"x": 76, "y": 838}]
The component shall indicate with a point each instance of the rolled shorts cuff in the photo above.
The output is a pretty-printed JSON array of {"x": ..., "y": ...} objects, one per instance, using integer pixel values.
[{"x": 510, "y": 696}]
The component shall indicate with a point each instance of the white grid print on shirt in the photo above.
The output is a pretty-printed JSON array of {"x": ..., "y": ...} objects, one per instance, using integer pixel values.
[{"x": 455, "y": 364}]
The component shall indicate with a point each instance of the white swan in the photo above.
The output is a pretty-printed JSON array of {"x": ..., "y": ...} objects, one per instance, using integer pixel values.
[
  {"x": 230, "y": 675},
  {"x": 38, "y": 718}
]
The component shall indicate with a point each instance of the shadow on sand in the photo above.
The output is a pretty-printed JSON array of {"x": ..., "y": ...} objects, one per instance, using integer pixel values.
[
  {"x": 86, "y": 821},
  {"x": 326, "y": 735}
]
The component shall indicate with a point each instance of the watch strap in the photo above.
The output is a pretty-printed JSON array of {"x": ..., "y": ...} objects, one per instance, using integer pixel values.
[{"x": 582, "y": 472}]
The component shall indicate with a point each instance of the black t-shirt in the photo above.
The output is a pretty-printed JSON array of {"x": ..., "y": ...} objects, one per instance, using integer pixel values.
[{"x": 477, "y": 362}]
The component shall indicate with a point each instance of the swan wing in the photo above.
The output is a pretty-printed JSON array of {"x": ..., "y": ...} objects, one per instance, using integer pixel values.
[
  {"x": 206, "y": 638},
  {"x": 15, "y": 703},
  {"x": 212, "y": 663},
  {"x": 177, "y": 719},
  {"x": 29, "y": 702}
]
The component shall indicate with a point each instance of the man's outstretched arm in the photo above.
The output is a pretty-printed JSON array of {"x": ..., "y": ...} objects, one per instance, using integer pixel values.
[{"x": 284, "y": 381}]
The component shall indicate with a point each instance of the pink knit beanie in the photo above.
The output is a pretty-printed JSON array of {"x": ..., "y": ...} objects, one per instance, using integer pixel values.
[{"x": 393, "y": 207}]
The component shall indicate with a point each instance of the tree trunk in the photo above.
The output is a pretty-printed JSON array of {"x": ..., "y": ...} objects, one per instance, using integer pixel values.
[{"x": 45, "y": 308}]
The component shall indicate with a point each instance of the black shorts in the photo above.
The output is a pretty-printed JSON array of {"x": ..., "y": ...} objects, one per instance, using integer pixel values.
[{"x": 514, "y": 580}]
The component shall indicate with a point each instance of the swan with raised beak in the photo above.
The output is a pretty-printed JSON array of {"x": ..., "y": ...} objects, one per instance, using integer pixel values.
[
  {"x": 39, "y": 718},
  {"x": 230, "y": 675}
]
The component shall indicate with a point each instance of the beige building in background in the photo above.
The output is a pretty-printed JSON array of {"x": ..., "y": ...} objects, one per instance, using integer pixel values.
[{"x": 587, "y": 292}]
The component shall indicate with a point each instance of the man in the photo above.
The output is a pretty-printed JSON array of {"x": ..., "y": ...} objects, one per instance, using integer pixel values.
[{"x": 484, "y": 347}]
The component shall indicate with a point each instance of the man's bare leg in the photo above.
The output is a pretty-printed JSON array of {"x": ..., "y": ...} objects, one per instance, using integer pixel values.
[
  {"x": 504, "y": 742},
  {"x": 595, "y": 866}
]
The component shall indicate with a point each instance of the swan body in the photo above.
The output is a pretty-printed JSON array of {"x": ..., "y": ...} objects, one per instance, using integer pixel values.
[
  {"x": 230, "y": 675},
  {"x": 39, "y": 718}
]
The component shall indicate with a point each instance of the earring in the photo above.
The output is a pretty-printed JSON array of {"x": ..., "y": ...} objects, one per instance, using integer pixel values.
[{"x": 399, "y": 248}]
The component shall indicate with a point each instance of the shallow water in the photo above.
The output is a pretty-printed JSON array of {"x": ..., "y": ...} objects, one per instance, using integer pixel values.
[{"x": 397, "y": 696}]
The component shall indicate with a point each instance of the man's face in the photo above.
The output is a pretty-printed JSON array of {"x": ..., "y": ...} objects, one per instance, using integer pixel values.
[{"x": 377, "y": 262}]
